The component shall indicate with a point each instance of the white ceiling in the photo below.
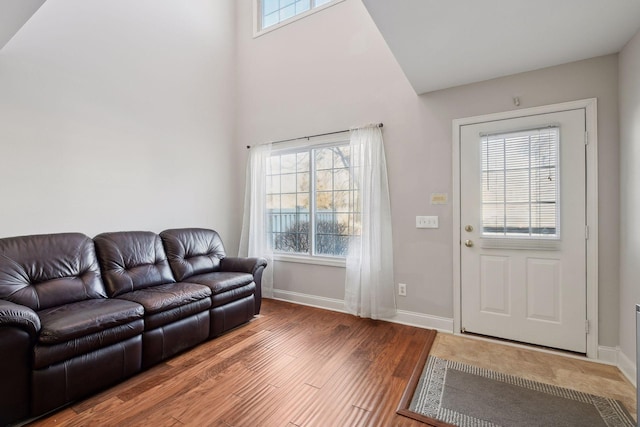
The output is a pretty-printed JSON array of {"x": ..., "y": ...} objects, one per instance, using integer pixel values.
[
  {"x": 13, "y": 15},
  {"x": 446, "y": 43}
]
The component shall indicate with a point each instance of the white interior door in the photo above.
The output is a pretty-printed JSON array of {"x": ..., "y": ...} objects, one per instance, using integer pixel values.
[{"x": 523, "y": 229}]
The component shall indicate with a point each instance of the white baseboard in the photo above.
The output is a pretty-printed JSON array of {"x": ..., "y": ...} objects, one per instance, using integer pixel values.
[
  {"x": 409, "y": 318},
  {"x": 420, "y": 320},
  {"x": 627, "y": 367},
  {"x": 310, "y": 300},
  {"x": 608, "y": 355},
  {"x": 614, "y": 356}
]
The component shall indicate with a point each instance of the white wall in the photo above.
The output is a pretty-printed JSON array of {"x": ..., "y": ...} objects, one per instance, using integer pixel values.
[
  {"x": 333, "y": 70},
  {"x": 629, "y": 195},
  {"x": 118, "y": 115}
]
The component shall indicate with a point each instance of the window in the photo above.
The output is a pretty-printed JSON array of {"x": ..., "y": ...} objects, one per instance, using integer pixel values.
[
  {"x": 520, "y": 189},
  {"x": 312, "y": 201},
  {"x": 270, "y": 13}
]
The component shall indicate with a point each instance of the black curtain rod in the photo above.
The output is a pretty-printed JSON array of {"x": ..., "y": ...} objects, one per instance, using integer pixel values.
[{"x": 313, "y": 136}]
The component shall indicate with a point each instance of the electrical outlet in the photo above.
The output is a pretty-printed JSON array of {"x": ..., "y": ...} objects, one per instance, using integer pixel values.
[
  {"x": 426, "y": 222},
  {"x": 402, "y": 289}
]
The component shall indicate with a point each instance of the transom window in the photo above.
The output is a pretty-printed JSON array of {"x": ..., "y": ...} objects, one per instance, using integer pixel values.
[
  {"x": 273, "y": 12},
  {"x": 520, "y": 188},
  {"x": 312, "y": 201}
]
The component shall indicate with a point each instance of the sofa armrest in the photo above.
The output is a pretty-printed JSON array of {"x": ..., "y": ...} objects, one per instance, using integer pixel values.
[
  {"x": 19, "y": 316},
  {"x": 19, "y": 326},
  {"x": 253, "y": 266},
  {"x": 242, "y": 265}
]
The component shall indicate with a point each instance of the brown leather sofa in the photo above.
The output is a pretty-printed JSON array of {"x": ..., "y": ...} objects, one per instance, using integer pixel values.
[{"x": 78, "y": 315}]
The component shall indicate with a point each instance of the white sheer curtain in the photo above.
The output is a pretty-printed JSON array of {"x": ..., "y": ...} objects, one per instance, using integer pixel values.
[
  {"x": 369, "y": 287},
  {"x": 253, "y": 240}
]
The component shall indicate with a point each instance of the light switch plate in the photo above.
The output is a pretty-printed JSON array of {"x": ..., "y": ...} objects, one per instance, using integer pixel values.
[{"x": 427, "y": 222}]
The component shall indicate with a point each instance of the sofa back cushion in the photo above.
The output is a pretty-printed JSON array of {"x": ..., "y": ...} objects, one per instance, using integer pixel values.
[
  {"x": 132, "y": 260},
  {"x": 44, "y": 271},
  {"x": 193, "y": 251}
]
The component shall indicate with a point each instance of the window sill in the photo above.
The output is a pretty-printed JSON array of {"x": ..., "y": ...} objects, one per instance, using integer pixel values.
[{"x": 316, "y": 260}]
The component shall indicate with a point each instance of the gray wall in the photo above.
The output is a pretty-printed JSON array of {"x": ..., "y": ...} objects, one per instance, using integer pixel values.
[
  {"x": 629, "y": 195},
  {"x": 593, "y": 78},
  {"x": 333, "y": 70},
  {"x": 118, "y": 115}
]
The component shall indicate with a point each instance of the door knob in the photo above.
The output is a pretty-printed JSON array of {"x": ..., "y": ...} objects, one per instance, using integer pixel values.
[
  {"x": 468, "y": 228},
  {"x": 468, "y": 243}
]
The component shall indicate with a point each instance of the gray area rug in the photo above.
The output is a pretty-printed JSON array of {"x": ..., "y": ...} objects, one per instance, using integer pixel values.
[{"x": 463, "y": 395}]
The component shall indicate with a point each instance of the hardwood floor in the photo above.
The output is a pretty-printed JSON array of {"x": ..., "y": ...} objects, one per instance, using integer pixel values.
[{"x": 301, "y": 366}]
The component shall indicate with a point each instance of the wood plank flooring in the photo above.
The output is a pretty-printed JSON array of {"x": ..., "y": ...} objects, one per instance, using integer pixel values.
[{"x": 301, "y": 366}]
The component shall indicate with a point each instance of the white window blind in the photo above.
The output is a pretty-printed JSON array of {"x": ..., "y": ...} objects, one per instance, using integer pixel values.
[{"x": 520, "y": 184}]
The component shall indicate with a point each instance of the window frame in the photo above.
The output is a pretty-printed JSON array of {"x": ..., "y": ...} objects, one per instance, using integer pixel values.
[
  {"x": 311, "y": 257},
  {"x": 257, "y": 17}
]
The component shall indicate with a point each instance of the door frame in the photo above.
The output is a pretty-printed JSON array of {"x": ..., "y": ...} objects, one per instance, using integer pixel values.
[{"x": 591, "y": 142}]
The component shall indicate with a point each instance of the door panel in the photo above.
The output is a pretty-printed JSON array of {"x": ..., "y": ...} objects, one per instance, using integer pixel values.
[
  {"x": 543, "y": 289},
  {"x": 494, "y": 284},
  {"x": 523, "y": 220}
]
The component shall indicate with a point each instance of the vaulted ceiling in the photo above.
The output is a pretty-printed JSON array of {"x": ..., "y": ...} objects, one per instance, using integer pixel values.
[
  {"x": 13, "y": 15},
  {"x": 446, "y": 43}
]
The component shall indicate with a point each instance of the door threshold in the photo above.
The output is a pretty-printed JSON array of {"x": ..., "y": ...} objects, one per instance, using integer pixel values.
[{"x": 525, "y": 345}]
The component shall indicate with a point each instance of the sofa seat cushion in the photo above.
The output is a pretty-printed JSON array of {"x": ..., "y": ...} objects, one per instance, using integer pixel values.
[
  {"x": 157, "y": 299},
  {"x": 222, "y": 281},
  {"x": 79, "y": 328},
  {"x": 235, "y": 294},
  {"x": 156, "y": 320},
  {"x": 79, "y": 319},
  {"x": 48, "y": 355},
  {"x": 226, "y": 286}
]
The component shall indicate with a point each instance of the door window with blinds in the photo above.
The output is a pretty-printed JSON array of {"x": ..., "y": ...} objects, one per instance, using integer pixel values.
[{"x": 520, "y": 185}]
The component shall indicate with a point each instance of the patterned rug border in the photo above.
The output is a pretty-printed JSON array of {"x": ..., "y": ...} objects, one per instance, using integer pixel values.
[
  {"x": 407, "y": 396},
  {"x": 610, "y": 409}
]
